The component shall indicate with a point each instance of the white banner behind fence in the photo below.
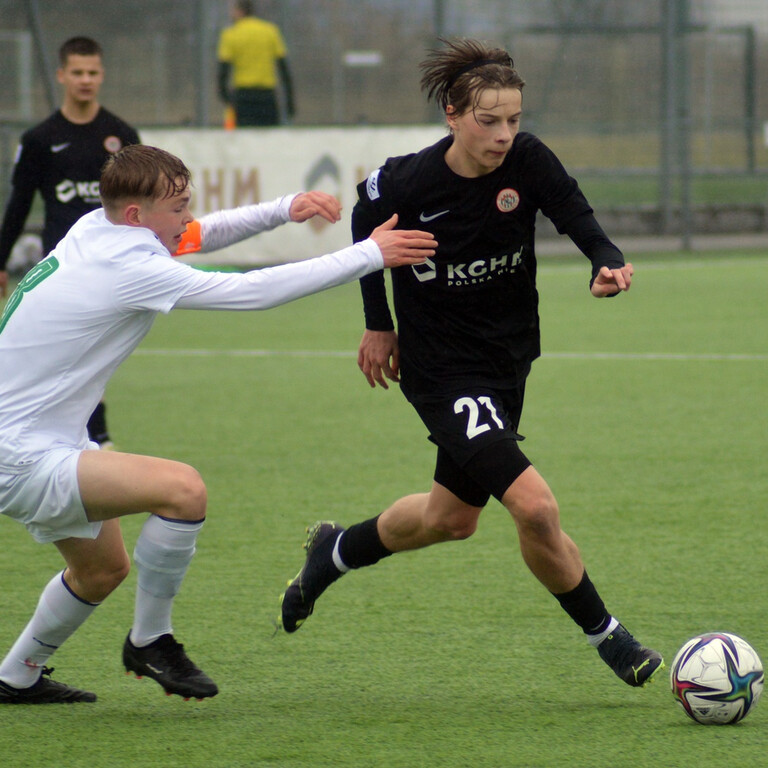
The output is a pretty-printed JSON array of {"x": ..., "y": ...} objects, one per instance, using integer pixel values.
[{"x": 253, "y": 165}]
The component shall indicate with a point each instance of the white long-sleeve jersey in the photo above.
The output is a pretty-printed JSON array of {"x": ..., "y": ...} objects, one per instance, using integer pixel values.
[
  {"x": 82, "y": 311},
  {"x": 222, "y": 228}
]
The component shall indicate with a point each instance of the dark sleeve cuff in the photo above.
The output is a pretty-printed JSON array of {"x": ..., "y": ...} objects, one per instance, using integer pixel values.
[
  {"x": 375, "y": 305},
  {"x": 590, "y": 239}
]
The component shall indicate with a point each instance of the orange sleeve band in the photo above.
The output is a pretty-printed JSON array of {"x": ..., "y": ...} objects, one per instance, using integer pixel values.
[{"x": 191, "y": 240}]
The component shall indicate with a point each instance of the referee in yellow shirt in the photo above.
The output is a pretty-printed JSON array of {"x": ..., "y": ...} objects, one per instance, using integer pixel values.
[{"x": 251, "y": 55}]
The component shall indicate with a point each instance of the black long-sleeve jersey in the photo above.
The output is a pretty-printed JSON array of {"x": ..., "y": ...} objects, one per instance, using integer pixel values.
[
  {"x": 469, "y": 316},
  {"x": 63, "y": 161}
]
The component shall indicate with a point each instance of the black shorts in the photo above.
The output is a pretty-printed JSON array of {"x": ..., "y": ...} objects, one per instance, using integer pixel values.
[
  {"x": 256, "y": 106},
  {"x": 478, "y": 455}
]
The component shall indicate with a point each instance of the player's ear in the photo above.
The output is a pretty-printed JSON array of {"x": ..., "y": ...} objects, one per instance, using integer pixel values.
[
  {"x": 450, "y": 115},
  {"x": 132, "y": 215}
]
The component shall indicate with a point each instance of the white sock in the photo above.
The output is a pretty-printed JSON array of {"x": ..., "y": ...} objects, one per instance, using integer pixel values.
[
  {"x": 163, "y": 552},
  {"x": 337, "y": 561},
  {"x": 597, "y": 639},
  {"x": 58, "y": 614}
]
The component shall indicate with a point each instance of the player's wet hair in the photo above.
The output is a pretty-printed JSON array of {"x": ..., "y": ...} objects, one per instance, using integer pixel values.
[
  {"x": 141, "y": 172},
  {"x": 458, "y": 73},
  {"x": 78, "y": 46}
]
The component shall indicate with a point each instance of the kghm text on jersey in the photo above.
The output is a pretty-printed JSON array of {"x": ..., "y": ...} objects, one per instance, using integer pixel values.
[
  {"x": 471, "y": 272},
  {"x": 67, "y": 190}
]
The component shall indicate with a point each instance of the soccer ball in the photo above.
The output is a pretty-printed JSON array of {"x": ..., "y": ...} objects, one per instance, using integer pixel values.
[{"x": 717, "y": 678}]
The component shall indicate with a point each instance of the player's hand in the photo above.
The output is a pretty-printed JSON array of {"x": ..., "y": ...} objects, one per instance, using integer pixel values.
[
  {"x": 308, "y": 204},
  {"x": 403, "y": 246},
  {"x": 3, "y": 283},
  {"x": 379, "y": 357},
  {"x": 612, "y": 281}
]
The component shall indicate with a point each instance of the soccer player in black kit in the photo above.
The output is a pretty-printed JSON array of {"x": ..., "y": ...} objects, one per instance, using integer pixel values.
[
  {"x": 62, "y": 158},
  {"x": 467, "y": 333}
]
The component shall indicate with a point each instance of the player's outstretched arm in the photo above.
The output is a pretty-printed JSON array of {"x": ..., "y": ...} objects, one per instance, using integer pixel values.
[
  {"x": 272, "y": 286},
  {"x": 401, "y": 247},
  {"x": 609, "y": 282},
  {"x": 221, "y": 229},
  {"x": 315, "y": 203},
  {"x": 378, "y": 357}
]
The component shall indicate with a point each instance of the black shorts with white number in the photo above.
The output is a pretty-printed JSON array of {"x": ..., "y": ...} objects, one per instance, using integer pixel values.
[{"x": 476, "y": 435}]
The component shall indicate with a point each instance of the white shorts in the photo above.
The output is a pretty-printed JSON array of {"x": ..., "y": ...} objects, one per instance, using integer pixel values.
[{"x": 45, "y": 497}]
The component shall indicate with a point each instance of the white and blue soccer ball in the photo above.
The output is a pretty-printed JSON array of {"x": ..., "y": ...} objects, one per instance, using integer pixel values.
[{"x": 717, "y": 678}]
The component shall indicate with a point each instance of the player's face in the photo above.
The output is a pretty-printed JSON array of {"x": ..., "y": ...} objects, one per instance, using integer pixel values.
[
  {"x": 81, "y": 77},
  {"x": 167, "y": 218},
  {"x": 483, "y": 136}
]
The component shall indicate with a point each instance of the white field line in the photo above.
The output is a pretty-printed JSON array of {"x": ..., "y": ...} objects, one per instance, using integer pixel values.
[
  {"x": 580, "y": 264},
  {"x": 693, "y": 356},
  {"x": 352, "y": 354}
]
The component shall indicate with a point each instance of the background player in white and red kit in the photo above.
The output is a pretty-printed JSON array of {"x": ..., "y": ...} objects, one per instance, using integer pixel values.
[
  {"x": 70, "y": 323},
  {"x": 467, "y": 334},
  {"x": 61, "y": 158}
]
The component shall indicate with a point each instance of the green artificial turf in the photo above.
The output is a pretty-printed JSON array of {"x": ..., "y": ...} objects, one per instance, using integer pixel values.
[{"x": 646, "y": 414}]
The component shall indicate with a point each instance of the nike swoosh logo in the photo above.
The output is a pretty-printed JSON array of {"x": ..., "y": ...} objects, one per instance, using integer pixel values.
[
  {"x": 423, "y": 216},
  {"x": 59, "y": 147}
]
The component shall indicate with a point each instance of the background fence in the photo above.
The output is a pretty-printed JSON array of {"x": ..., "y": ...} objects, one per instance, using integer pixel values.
[{"x": 659, "y": 107}]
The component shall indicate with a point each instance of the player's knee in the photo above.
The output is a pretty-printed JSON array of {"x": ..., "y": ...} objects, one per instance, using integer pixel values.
[
  {"x": 189, "y": 496},
  {"x": 452, "y": 528},
  {"x": 461, "y": 530},
  {"x": 538, "y": 515}
]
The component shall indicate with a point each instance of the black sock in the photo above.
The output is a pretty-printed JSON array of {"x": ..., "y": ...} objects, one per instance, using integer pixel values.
[
  {"x": 97, "y": 424},
  {"x": 585, "y": 607},
  {"x": 361, "y": 545}
]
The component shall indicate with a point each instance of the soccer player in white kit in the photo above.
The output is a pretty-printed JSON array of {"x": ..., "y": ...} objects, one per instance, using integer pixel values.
[{"x": 71, "y": 322}]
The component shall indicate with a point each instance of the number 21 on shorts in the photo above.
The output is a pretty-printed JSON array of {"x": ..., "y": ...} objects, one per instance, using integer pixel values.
[{"x": 480, "y": 413}]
